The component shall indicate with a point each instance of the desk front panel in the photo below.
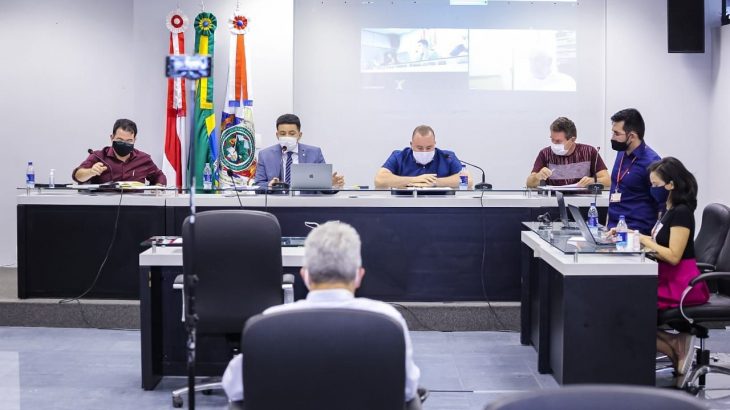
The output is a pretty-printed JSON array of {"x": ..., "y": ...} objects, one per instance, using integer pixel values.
[
  {"x": 60, "y": 249},
  {"x": 422, "y": 254}
]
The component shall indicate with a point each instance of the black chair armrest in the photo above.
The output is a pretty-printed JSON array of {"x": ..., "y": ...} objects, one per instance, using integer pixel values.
[
  {"x": 706, "y": 267},
  {"x": 288, "y": 279},
  {"x": 703, "y": 277},
  {"x": 417, "y": 402},
  {"x": 423, "y": 393}
]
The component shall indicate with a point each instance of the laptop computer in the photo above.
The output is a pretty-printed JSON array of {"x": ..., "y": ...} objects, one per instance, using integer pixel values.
[
  {"x": 585, "y": 231},
  {"x": 567, "y": 226},
  {"x": 311, "y": 176}
]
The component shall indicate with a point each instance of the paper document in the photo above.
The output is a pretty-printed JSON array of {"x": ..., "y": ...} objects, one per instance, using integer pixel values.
[{"x": 571, "y": 187}]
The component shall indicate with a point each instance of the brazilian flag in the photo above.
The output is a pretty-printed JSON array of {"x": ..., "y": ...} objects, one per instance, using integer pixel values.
[{"x": 206, "y": 141}]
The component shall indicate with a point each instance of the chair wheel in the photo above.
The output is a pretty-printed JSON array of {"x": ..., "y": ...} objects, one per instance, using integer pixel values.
[
  {"x": 207, "y": 392},
  {"x": 177, "y": 402},
  {"x": 693, "y": 390}
]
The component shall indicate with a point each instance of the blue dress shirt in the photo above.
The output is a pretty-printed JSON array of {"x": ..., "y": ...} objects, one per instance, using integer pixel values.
[
  {"x": 444, "y": 164},
  {"x": 637, "y": 204}
]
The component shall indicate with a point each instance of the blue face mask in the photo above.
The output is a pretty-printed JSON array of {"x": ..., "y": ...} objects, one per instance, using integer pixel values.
[{"x": 659, "y": 193}]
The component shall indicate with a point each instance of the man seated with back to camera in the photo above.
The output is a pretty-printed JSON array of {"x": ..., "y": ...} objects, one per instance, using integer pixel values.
[
  {"x": 120, "y": 161},
  {"x": 420, "y": 165},
  {"x": 566, "y": 161},
  {"x": 333, "y": 271}
]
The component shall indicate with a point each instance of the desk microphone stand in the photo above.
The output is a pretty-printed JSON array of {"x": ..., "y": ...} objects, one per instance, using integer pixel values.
[{"x": 190, "y": 278}]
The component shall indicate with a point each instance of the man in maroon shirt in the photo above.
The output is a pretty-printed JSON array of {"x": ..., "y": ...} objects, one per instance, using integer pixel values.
[
  {"x": 119, "y": 162},
  {"x": 567, "y": 162}
]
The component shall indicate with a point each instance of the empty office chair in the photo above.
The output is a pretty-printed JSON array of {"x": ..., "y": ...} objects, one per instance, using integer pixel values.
[
  {"x": 323, "y": 359},
  {"x": 600, "y": 397},
  {"x": 711, "y": 236},
  {"x": 237, "y": 260},
  {"x": 695, "y": 317}
]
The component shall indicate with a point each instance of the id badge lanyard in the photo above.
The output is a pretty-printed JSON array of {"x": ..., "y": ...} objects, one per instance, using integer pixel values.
[{"x": 621, "y": 176}]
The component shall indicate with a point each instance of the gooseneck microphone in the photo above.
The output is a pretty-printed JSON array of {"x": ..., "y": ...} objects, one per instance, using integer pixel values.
[
  {"x": 235, "y": 189},
  {"x": 480, "y": 186},
  {"x": 281, "y": 186},
  {"x": 595, "y": 188},
  {"x": 108, "y": 167},
  {"x": 91, "y": 152}
]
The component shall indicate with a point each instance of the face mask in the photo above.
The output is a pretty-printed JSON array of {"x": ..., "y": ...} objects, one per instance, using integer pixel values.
[
  {"x": 558, "y": 149},
  {"x": 423, "y": 158},
  {"x": 659, "y": 193},
  {"x": 620, "y": 146},
  {"x": 290, "y": 143},
  {"x": 122, "y": 148}
]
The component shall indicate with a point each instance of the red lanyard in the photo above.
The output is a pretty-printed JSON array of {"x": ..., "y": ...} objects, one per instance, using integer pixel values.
[{"x": 619, "y": 177}]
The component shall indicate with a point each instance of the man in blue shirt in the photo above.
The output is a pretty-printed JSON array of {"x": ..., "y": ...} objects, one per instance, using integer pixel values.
[
  {"x": 421, "y": 165},
  {"x": 630, "y": 185}
]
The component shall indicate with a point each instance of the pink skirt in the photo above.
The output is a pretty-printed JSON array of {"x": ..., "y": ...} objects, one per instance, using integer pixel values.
[{"x": 673, "y": 280}]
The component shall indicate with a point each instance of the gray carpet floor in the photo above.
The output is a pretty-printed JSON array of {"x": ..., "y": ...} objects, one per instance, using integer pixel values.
[{"x": 57, "y": 368}]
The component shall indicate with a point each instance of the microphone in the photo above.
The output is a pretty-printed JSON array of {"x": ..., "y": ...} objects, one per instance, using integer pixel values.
[
  {"x": 480, "y": 186},
  {"x": 91, "y": 152},
  {"x": 281, "y": 185},
  {"x": 235, "y": 189},
  {"x": 595, "y": 188}
]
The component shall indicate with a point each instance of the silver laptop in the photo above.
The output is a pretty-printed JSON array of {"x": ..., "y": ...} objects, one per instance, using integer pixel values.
[
  {"x": 311, "y": 176},
  {"x": 585, "y": 231}
]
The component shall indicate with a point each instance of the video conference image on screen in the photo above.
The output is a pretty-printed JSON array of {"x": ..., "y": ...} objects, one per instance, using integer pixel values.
[{"x": 481, "y": 59}]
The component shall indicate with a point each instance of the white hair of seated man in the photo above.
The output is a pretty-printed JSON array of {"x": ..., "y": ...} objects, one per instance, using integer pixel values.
[{"x": 332, "y": 254}]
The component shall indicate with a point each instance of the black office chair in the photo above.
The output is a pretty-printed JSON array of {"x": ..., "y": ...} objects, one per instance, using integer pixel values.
[
  {"x": 695, "y": 318},
  {"x": 712, "y": 234},
  {"x": 237, "y": 260},
  {"x": 600, "y": 397},
  {"x": 324, "y": 359}
]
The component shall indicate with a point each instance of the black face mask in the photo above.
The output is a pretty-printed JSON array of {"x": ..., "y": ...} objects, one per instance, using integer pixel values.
[
  {"x": 660, "y": 194},
  {"x": 122, "y": 148},
  {"x": 620, "y": 146}
]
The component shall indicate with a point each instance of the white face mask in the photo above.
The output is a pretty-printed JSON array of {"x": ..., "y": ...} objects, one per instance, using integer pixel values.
[
  {"x": 290, "y": 143},
  {"x": 558, "y": 149},
  {"x": 423, "y": 158}
]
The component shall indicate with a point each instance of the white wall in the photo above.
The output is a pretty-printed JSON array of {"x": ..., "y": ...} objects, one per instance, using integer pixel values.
[
  {"x": 718, "y": 137},
  {"x": 359, "y": 119},
  {"x": 73, "y": 67},
  {"x": 91, "y": 61},
  {"x": 63, "y": 81}
]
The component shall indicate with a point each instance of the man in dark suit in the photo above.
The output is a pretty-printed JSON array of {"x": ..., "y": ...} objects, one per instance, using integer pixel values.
[{"x": 274, "y": 162}]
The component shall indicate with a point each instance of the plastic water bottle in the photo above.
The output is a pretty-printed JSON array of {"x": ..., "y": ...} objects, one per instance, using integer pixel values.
[
  {"x": 463, "y": 178},
  {"x": 52, "y": 178},
  {"x": 30, "y": 176},
  {"x": 593, "y": 219},
  {"x": 207, "y": 178},
  {"x": 622, "y": 232}
]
